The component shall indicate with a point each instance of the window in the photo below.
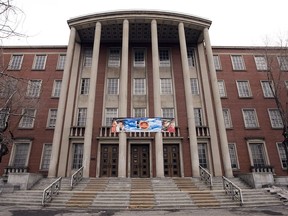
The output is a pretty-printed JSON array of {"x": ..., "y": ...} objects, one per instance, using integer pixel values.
[
  {"x": 198, "y": 117},
  {"x": 191, "y": 57},
  {"x": 257, "y": 154},
  {"x": 46, "y": 156},
  {"x": 114, "y": 57},
  {"x": 227, "y": 118},
  {"x": 217, "y": 63},
  {"x": 139, "y": 112},
  {"x": 166, "y": 86},
  {"x": 202, "y": 153},
  {"x": 168, "y": 112},
  {"x": 20, "y": 154},
  {"x": 85, "y": 84},
  {"x": 261, "y": 63},
  {"x": 77, "y": 155},
  {"x": 164, "y": 58},
  {"x": 194, "y": 86},
  {"x": 283, "y": 63},
  {"x": 275, "y": 118},
  {"x": 7, "y": 87},
  {"x": 15, "y": 62},
  {"x": 282, "y": 155},
  {"x": 52, "y": 118},
  {"x": 139, "y": 86},
  {"x": 233, "y": 155},
  {"x": 39, "y": 62},
  {"x": 34, "y": 88},
  {"x": 250, "y": 118},
  {"x": 4, "y": 114},
  {"x": 112, "y": 86},
  {"x": 109, "y": 115},
  {"x": 87, "y": 57},
  {"x": 61, "y": 62},
  {"x": 244, "y": 89},
  {"x": 28, "y": 117},
  {"x": 139, "y": 58},
  {"x": 221, "y": 88},
  {"x": 81, "y": 117},
  {"x": 56, "y": 88},
  {"x": 237, "y": 62},
  {"x": 266, "y": 88}
]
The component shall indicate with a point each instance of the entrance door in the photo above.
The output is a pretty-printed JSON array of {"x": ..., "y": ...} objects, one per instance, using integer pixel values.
[
  {"x": 140, "y": 161},
  {"x": 171, "y": 160},
  {"x": 109, "y": 161}
]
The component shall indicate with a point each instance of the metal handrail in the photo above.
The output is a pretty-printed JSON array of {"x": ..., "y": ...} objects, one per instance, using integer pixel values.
[
  {"x": 76, "y": 177},
  {"x": 206, "y": 176},
  {"x": 232, "y": 190},
  {"x": 51, "y": 191}
]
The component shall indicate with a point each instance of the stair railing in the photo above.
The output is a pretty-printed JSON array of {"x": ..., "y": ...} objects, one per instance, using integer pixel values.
[
  {"x": 76, "y": 177},
  {"x": 206, "y": 177},
  {"x": 232, "y": 190},
  {"x": 51, "y": 191}
]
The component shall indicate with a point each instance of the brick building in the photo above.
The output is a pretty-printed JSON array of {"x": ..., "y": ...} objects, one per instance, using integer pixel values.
[{"x": 140, "y": 64}]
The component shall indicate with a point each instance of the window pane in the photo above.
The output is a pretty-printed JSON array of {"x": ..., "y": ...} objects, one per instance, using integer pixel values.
[
  {"x": 27, "y": 120},
  {"x": 191, "y": 57},
  {"x": 261, "y": 63},
  {"x": 21, "y": 153},
  {"x": 243, "y": 89},
  {"x": 110, "y": 114},
  {"x": 221, "y": 87},
  {"x": 34, "y": 88},
  {"x": 217, "y": 62},
  {"x": 168, "y": 112},
  {"x": 61, "y": 61},
  {"x": 266, "y": 88},
  {"x": 114, "y": 58},
  {"x": 57, "y": 88},
  {"x": 4, "y": 114},
  {"x": 139, "y": 58},
  {"x": 166, "y": 86},
  {"x": 250, "y": 118},
  {"x": 164, "y": 58},
  {"x": 139, "y": 112},
  {"x": 85, "y": 84},
  {"x": 77, "y": 156},
  {"x": 15, "y": 62},
  {"x": 39, "y": 62},
  {"x": 139, "y": 86},
  {"x": 275, "y": 118},
  {"x": 202, "y": 153},
  {"x": 82, "y": 115},
  {"x": 257, "y": 152},
  {"x": 282, "y": 155},
  {"x": 198, "y": 116},
  {"x": 283, "y": 62},
  {"x": 238, "y": 62},
  {"x": 52, "y": 118},
  {"x": 233, "y": 156},
  {"x": 112, "y": 86},
  {"x": 194, "y": 86},
  {"x": 227, "y": 118},
  {"x": 88, "y": 57},
  {"x": 47, "y": 149}
]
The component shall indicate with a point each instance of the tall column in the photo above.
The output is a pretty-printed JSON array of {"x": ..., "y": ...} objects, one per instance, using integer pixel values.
[
  {"x": 157, "y": 99},
  {"x": 91, "y": 101},
  {"x": 218, "y": 107},
  {"x": 61, "y": 106},
  {"x": 189, "y": 103},
  {"x": 123, "y": 99}
]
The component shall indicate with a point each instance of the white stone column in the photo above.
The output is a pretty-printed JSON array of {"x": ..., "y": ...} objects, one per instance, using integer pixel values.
[
  {"x": 91, "y": 101},
  {"x": 123, "y": 99},
  {"x": 157, "y": 99},
  {"x": 53, "y": 168},
  {"x": 218, "y": 107},
  {"x": 189, "y": 103}
]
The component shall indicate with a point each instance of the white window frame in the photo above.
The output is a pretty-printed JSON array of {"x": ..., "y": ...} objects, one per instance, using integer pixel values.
[
  {"x": 238, "y": 63},
  {"x": 87, "y": 58},
  {"x": 34, "y": 88},
  {"x": 139, "y": 110},
  {"x": 244, "y": 90},
  {"x": 233, "y": 155},
  {"x": 227, "y": 118},
  {"x": 168, "y": 112},
  {"x": 14, "y": 151},
  {"x": 27, "y": 120},
  {"x": 84, "y": 86},
  {"x": 261, "y": 63},
  {"x": 139, "y": 86},
  {"x": 263, "y": 149},
  {"x": 81, "y": 117},
  {"x": 283, "y": 62},
  {"x": 194, "y": 86},
  {"x": 275, "y": 118},
  {"x": 191, "y": 56},
  {"x": 198, "y": 116},
  {"x": 266, "y": 88},
  {"x": 203, "y": 147},
  {"x": 114, "y": 57},
  {"x": 56, "y": 88},
  {"x": 16, "y": 62},
  {"x": 164, "y": 57},
  {"x": 112, "y": 86},
  {"x": 52, "y": 117},
  {"x": 110, "y": 113},
  {"x": 222, "y": 89},
  {"x": 4, "y": 115},
  {"x": 248, "y": 120},
  {"x": 139, "y": 57},
  {"x": 282, "y": 155},
  {"x": 166, "y": 86},
  {"x": 217, "y": 62},
  {"x": 78, "y": 161},
  {"x": 46, "y": 156},
  {"x": 39, "y": 62},
  {"x": 61, "y": 62}
]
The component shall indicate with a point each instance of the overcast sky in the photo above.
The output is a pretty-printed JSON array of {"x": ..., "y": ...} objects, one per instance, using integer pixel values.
[{"x": 234, "y": 23}]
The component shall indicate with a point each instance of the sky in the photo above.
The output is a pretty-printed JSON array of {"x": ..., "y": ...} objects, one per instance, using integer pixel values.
[{"x": 234, "y": 23}]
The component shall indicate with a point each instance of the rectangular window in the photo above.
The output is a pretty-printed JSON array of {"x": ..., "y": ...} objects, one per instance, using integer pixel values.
[
  {"x": 52, "y": 118},
  {"x": 164, "y": 58},
  {"x": 21, "y": 151},
  {"x": 244, "y": 90},
  {"x": 34, "y": 88},
  {"x": 283, "y": 63},
  {"x": 88, "y": 57},
  {"x": 139, "y": 86},
  {"x": 221, "y": 88},
  {"x": 166, "y": 86},
  {"x": 77, "y": 155},
  {"x": 46, "y": 156},
  {"x": 198, "y": 117},
  {"x": 267, "y": 89},
  {"x": 4, "y": 114},
  {"x": 168, "y": 112},
  {"x": 7, "y": 87},
  {"x": 191, "y": 56},
  {"x": 275, "y": 118},
  {"x": 39, "y": 62},
  {"x": 109, "y": 115},
  {"x": 282, "y": 155},
  {"x": 112, "y": 86},
  {"x": 227, "y": 118},
  {"x": 56, "y": 88},
  {"x": 217, "y": 62},
  {"x": 114, "y": 57},
  {"x": 28, "y": 117},
  {"x": 15, "y": 62},
  {"x": 85, "y": 84},
  {"x": 250, "y": 118},
  {"x": 61, "y": 62},
  {"x": 238, "y": 62},
  {"x": 139, "y": 112},
  {"x": 202, "y": 153},
  {"x": 194, "y": 86},
  {"x": 81, "y": 117},
  {"x": 139, "y": 58},
  {"x": 261, "y": 63},
  {"x": 257, "y": 154},
  {"x": 233, "y": 156}
]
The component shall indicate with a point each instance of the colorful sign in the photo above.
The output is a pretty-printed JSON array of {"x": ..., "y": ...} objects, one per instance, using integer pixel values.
[{"x": 143, "y": 125}]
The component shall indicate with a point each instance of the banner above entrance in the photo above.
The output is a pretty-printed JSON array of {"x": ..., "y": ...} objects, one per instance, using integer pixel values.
[{"x": 143, "y": 125}]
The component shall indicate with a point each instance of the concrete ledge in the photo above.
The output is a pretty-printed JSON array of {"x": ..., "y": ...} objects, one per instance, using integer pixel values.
[{"x": 24, "y": 180}]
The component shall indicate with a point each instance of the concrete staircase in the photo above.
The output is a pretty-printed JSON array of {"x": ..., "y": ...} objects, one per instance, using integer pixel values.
[{"x": 146, "y": 193}]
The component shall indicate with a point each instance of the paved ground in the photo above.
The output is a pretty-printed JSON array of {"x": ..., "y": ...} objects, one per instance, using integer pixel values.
[{"x": 22, "y": 211}]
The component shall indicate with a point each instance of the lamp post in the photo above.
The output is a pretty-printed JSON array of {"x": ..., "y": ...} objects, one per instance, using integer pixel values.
[{"x": 285, "y": 145}]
